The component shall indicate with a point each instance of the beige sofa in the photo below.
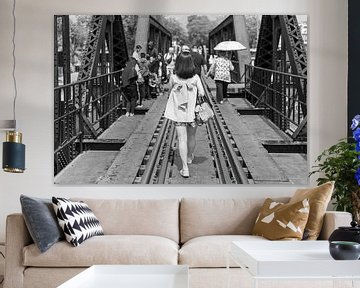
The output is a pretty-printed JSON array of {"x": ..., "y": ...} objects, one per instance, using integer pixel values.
[{"x": 194, "y": 232}]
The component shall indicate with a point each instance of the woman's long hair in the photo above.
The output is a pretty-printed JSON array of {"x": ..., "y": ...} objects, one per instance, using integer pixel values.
[{"x": 184, "y": 66}]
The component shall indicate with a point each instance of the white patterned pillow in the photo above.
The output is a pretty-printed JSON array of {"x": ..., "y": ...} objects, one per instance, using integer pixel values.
[{"x": 77, "y": 220}]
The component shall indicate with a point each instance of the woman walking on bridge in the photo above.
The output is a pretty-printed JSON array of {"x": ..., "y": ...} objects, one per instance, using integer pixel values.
[
  {"x": 185, "y": 85},
  {"x": 220, "y": 69}
]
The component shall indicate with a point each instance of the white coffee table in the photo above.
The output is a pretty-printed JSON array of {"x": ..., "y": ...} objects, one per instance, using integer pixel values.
[
  {"x": 131, "y": 276},
  {"x": 293, "y": 260}
]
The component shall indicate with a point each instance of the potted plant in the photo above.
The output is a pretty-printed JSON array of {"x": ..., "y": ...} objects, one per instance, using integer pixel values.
[{"x": 341, "y": 163}]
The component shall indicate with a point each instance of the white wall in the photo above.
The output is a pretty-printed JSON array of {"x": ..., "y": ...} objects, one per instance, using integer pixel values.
[{"x": 34, "y": 39}]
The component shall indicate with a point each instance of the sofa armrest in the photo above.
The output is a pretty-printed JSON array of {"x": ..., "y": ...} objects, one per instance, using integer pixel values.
[
  {"x": 333, "y": 220},
  {"x": 17, "y": 237}
]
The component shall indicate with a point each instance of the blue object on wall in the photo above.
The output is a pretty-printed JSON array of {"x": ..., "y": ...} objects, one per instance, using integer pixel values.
[{"x": 13, "y": 153}]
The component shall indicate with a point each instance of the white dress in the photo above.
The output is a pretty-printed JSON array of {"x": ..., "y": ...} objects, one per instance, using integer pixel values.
[{"x": 182, "y": 98}]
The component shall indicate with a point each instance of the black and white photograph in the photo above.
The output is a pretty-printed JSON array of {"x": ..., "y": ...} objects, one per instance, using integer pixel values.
[{"x": 180, "y": 99}]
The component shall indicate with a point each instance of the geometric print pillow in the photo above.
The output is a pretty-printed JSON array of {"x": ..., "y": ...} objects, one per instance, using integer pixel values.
[
  {"x": 279, "y": 221},
  {"x": 76, "y": 220}
]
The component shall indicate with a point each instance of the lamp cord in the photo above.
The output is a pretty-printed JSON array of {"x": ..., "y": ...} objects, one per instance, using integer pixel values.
[{"x": 14, "y": 59}]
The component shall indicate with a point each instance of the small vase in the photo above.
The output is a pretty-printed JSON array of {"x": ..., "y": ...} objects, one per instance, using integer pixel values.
[{"x": 344, "y": 250}]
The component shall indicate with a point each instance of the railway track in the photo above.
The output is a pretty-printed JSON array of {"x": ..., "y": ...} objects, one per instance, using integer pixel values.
[
  {"x": 158, "y": 156},
  {"x": 229, "y": 165}
]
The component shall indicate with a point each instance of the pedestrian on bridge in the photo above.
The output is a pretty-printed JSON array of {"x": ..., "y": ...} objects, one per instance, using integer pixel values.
[
  {"x": 151, "y": 50},
  {"x": 185, "y": 85},
  {"x": 136, "y": 53},
  {"x": 144, "y": 89},
  {"x": 130, "y": 75},
  {"x": 154, "y": 67},
  {"x": 169, "y": 59},
  {"x": 221, "y": 70},
  {"x": 198, "y": 59}
]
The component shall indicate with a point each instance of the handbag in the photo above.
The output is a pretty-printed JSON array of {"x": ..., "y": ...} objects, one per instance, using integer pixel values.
[{"x": 203, "y": 110}]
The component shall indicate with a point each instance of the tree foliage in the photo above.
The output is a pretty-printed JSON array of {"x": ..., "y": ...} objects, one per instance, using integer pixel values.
[
  {"x": 198, "y": 27},
  {"x": 177, "y": 30},
  {"x": 196, "y": 32},
  {"x": 79, "y": 30},
  {"x": 253, "y": 26},
  {"x": 339, "y": 163},
  {"x": 129, "y": 23}
]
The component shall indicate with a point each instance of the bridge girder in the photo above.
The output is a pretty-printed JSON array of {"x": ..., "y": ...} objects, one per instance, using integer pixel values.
[
  {"x": 149, "y": 29},
  {"x": 285, "y": 27},
  {"x": 105, "y": 47},
  {"x": 105, "y": 51},
  {"x": 281, "y": 48}
]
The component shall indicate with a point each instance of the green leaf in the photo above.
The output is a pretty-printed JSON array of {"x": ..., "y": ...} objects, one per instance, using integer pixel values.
[{"x": 339, "y": 163}]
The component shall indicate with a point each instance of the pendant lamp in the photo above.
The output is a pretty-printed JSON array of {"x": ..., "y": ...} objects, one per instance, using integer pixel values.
[{"x": 13, "y": 149}]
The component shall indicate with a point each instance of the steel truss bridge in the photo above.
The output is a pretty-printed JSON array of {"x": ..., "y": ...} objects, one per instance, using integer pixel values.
[{"x": 275, "y": 86}]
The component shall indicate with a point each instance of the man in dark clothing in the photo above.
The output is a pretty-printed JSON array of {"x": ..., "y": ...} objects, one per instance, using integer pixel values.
[
  {"x": 198, "y": 59},
  {"x": 152, "y": 51},
  {"x": 154, "y": 65},
  {"x": 130, "y": 74}
]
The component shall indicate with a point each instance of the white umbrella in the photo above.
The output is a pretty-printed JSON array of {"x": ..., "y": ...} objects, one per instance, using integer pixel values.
[{"x": 229, "y": 46}]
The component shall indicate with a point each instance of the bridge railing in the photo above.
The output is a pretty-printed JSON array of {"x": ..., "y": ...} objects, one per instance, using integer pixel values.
[
  {"x": 235, "y": 74},
  {"x": 84, "y": 109},
  {"x": 279, "y": 96}
]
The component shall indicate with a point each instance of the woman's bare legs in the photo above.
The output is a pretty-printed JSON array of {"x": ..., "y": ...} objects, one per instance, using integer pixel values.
[
  {"x": 183, "y": 147},
  {"x": 191, "y": 142}
]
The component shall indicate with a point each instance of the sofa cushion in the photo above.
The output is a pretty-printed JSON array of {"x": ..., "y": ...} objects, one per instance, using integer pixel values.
[
  {"x": 211, "y": 251},
  {"x": 201, "y": 217},
  {"x": 41, "y": 221},
  {"x": 319, "y": 198},
  {"x": 158, "y": 217},
  {"x": 279, "y": 221},
  {"x": 77, "y": 220},
  {"x": 107, "y": 249}
]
